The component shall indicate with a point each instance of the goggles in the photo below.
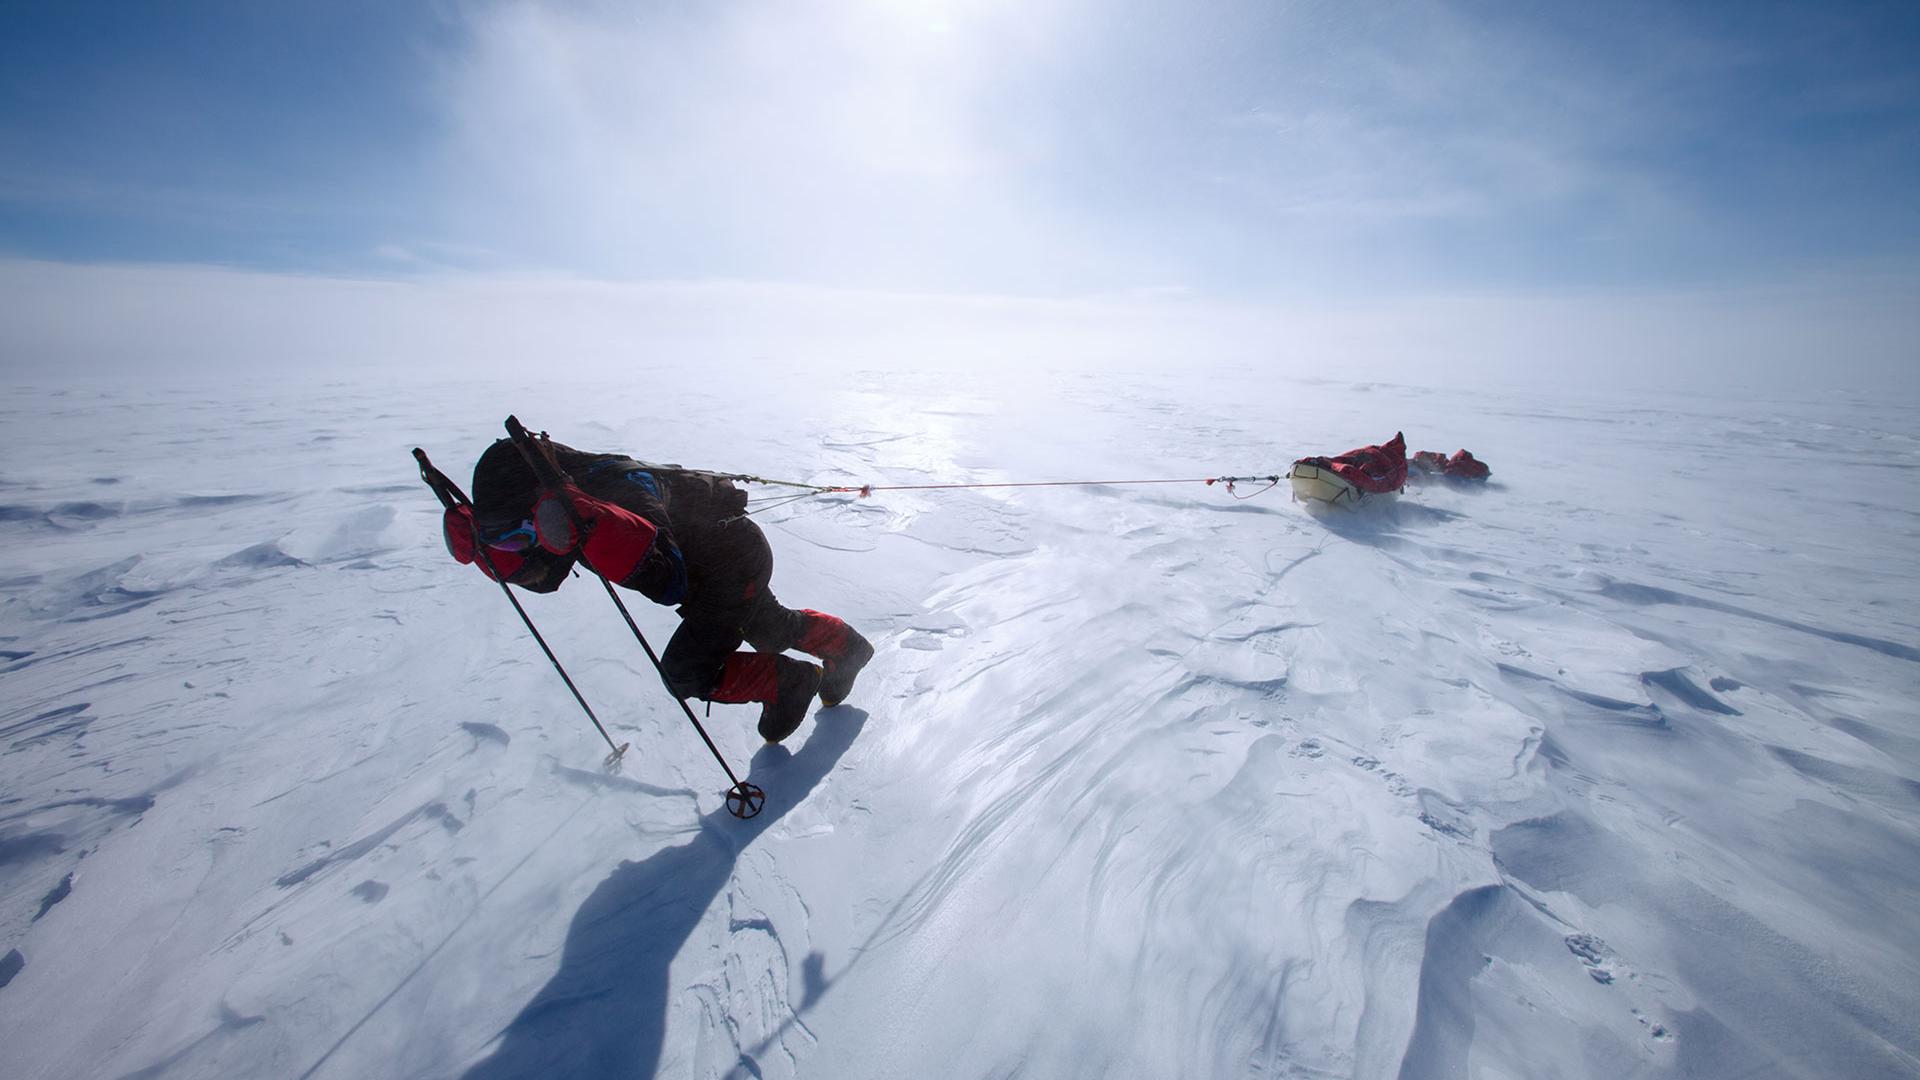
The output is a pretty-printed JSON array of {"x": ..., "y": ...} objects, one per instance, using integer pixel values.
[
  {"x": 457, "y": 529},
  {"x": 511, "y": 543},
  {"x": 519, "y": 538}
]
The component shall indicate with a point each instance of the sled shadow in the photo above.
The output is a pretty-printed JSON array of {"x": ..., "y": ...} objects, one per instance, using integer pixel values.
[
  {"x": 604, "y": 1012},
  {"x": 1379, "y": 522}
]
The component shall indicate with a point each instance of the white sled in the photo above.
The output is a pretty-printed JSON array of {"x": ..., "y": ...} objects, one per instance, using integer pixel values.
[{"x": 1313, "y": 484}]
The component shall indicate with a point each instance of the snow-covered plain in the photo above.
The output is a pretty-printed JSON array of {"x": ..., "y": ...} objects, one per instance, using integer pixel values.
[{"x": 1610, "y": 768}]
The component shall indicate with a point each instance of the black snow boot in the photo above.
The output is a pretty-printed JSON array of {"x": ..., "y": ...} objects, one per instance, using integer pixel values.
[
  {"x": 843, "y": 669},
  {"x": 840, "y": 646},
  {"x": 797, "y": 682}
]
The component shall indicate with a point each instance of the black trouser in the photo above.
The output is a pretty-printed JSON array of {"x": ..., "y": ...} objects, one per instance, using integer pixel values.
[{"x": 728, "y": 569}]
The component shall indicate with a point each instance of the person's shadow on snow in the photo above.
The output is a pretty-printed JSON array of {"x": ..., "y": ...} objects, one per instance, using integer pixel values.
[{"x": 604, "y": 1012}]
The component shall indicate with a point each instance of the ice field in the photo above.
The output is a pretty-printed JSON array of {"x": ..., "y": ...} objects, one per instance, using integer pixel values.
[{"x": 1609, "y": 767}]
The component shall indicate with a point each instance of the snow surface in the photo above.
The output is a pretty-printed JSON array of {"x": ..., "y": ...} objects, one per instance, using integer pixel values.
[{"x": 1606, "y": 769}]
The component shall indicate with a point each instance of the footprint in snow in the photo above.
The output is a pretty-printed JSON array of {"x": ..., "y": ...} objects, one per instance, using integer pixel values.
[
  {"x": 60, "y": 892},
  {"x": 1593, "y": 952},
  {"x": 440, "y": 813},
  {"x": 485, "y": 732},
  {"x": 1396, "y": 784},
  {"x": 10, "y": 965},
  {"x": 1445, "y": 817}
]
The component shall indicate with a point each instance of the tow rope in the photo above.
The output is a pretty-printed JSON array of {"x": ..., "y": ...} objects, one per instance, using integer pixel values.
[{"x": 866, "y": 490}]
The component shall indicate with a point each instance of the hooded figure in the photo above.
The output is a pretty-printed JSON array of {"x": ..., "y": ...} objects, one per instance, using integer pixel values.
[{"x": 681, "y": 537}]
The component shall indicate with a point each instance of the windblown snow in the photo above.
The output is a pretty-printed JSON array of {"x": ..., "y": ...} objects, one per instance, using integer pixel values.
[{"x": 1608, "y": 768}]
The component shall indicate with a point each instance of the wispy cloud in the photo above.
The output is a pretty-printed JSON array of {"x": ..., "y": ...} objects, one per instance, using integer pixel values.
[
  {"x": 808, "y": 141},
  {"x": 1265, "y": 181},
  {"x": 1062, "y": 146}
]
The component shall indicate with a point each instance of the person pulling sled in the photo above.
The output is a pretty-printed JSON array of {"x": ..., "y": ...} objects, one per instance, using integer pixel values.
[{"x": 681, "y": 538}]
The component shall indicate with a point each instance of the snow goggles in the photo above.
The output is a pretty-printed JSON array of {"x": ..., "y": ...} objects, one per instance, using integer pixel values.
[
  {"x": 549, "y": 529},
  {"x": 519, "y": 538},
  {"x": 459, "y": 531}
]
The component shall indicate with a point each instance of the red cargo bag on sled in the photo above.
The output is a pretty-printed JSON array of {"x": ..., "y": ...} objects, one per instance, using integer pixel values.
[
  {"x": 1461, "y": 466},
  {"x": 1352, "y": 476}
]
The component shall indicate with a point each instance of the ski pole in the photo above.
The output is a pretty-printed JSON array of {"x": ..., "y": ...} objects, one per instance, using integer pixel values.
[
  {"x": 450, "y": 497},
  {"x": 744, "y": 800}
]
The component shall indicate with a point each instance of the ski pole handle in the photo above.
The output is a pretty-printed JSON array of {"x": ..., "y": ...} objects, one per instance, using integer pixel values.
[
  {"x": 557, "y": 520},
  {"x": 539, "y": 456},
  {"x": 446, "y": 490}
]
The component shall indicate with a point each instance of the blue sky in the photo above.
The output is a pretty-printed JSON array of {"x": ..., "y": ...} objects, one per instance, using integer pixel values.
[
  {"x": 1246, "y": 152},
  {"x": 261, "y": 134}
]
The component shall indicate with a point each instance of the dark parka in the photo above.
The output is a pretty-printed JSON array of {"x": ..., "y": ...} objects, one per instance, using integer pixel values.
[{"x": 709, "y": 559}]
